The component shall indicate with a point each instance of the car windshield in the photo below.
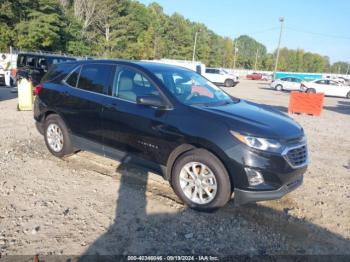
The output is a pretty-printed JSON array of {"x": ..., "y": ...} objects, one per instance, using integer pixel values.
[{"x": 191, "y": 88}]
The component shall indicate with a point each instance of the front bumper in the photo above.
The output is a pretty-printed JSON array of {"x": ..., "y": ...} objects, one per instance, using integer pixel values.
[
  {"x": 280, "y": 174},
  {"x": 242, "y": 197}
]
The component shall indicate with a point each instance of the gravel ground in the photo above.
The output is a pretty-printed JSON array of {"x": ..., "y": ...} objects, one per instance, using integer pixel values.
[{"x": 86, "y": 204}]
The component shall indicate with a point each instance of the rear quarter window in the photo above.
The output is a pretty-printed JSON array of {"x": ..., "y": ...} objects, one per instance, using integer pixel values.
[
  {"x": 95, "y": 77},
  {"x": 58, "y": 72}
]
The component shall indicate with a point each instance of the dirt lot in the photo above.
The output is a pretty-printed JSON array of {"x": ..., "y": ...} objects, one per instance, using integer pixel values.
[{"x": 86, "y": 204}]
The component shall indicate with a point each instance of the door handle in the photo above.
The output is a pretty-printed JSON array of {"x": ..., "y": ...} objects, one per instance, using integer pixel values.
[{"x": 111, "y": 106}]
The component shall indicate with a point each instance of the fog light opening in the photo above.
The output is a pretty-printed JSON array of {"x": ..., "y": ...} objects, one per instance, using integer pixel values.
[{"x": 254, "y": 177}]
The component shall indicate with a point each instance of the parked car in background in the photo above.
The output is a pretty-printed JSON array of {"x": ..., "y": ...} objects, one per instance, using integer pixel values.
[
  {"x": 328, "y": 87},
  {"x": 267, "y": 77},
  {"x": 220, "y": 77},
  {"x": 6, "y": 66},
  {"x": 254, "y": 76},
  {"x": 286, "y": 83},
  {"x": 336, "y": 79},
  {"x": 35, "y": 65},
  {"x": 192, "y": 65},
  {"x": 206, "y": 143},
  {"x": 2, "y": 77}
]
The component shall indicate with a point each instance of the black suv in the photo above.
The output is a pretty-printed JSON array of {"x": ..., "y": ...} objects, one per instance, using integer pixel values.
[
  {"x": 36, "y": 65},
  {"x": 205, "y": 142}
]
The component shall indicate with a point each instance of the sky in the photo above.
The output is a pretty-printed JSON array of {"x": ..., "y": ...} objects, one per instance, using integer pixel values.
[{"x": 320, "y": 26}]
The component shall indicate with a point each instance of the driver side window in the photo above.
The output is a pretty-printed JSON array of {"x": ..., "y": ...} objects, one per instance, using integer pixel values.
[{"x": 129, "y": 84}]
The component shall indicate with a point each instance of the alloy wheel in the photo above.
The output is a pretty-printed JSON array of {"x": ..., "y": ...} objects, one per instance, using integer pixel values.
[
  {"x": 198, "y": 183},
  {"x": 54, "y": 137}
]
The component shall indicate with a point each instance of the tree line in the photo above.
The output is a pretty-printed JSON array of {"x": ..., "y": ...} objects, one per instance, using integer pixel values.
[{"x": 128, "y": 29}]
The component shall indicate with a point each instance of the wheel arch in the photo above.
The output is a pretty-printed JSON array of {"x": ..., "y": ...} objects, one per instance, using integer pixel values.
[
  {"x": 180, "y": 150},
  {"x": 49, "y": 112}
]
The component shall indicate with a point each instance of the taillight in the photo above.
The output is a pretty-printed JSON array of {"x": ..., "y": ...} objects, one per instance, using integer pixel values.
[{"x": 37, "y": 89}]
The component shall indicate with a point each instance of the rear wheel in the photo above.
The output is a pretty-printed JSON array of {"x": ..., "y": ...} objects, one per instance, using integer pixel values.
[
  {"x": 311, "y": 91},
  {"x": 279, "y": 88},
  {"x": 201, "y": 181},
  {"x": 56, "y": 136},
  {"x": 229, "y": 83},
  {"x": 348, "y": 96}
]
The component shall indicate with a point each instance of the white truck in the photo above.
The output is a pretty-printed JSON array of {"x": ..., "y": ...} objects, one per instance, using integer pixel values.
[
  {"x": 7, "y": 63},
  {"x": 192, "y": 65},
  {"x": 220, "y": 76}
]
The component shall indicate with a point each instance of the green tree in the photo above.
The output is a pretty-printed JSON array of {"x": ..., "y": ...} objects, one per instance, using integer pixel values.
[
  {"x": 247, "y": 49},
  {"x": 42, "y": 27},
  {"x": 340, "y": 68}
]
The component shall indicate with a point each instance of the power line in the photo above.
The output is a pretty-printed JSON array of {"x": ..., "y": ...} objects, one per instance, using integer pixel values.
[
  {"x": 318, "y": 34},
  {"x": 262, "y": 31}
]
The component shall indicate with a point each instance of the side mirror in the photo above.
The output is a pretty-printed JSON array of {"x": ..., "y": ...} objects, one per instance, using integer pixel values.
[{"x": 150, "y": 100}]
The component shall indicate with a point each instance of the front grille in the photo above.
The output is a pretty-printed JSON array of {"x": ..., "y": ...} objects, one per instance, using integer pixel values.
[{"x": 297, "y": 156}]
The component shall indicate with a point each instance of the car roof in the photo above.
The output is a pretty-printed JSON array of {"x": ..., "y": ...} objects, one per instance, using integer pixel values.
[
  {"x": 149, "y": 65},
  {"x": 47, "y": 55}
]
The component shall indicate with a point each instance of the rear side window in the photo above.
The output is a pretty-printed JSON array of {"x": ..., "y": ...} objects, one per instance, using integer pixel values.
[
  {"x": 72, "y": 80},
  {"x": 95, "y": 77},
  {"x": 42, "y": 63},
  {"x": 57, "y": 60},
  {"x": 31, "y": 61},
  {"x": 21, "y": 60}
]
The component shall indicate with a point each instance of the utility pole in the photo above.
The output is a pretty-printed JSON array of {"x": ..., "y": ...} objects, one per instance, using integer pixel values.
[
  {"x": 234, "y": 54},
  {"x": 194, "y": 46},
  {"x": 256, "y": 58},
  {"x": 281, "y": 19}
]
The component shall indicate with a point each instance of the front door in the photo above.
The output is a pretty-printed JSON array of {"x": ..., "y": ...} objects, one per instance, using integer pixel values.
[{"x": 130, "y": 127}]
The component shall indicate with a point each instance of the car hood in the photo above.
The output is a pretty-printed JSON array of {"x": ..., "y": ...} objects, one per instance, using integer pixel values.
[{"x": 257, "y": 120}]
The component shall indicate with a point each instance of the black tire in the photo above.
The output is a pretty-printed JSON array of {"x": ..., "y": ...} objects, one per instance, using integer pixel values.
[
  {"x": 67, "y": 148},
  {"x": 311, "y": 91},
  {"x": 223, "y": 193},
  {"x": 348, "y": 95},
  {"x": 229, "y": 83},
  {"x": 279, "y": 88}
]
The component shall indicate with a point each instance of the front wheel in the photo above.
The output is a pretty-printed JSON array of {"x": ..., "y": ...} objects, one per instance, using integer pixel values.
[
  {"x": 311, "y": 91},
  {"x": 348, "y": 96},
  {"x": 229, "y": 83},
  {"x": 279, "y": 88},
  {"x": 56, "y": 136},
  {"x": 201, "y": 181}
]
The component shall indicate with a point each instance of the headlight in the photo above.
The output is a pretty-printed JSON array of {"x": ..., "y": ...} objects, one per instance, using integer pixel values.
[{"x": 258, "y": 142}]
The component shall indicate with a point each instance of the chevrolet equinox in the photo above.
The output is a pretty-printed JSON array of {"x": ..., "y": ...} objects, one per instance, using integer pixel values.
[{"x": 206, "y": 143}]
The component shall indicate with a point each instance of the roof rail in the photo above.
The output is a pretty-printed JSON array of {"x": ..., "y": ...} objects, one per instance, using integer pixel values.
[{"x": 41, "y": 52}]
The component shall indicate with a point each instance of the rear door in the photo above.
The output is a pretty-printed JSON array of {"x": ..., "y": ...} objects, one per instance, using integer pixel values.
[
  {"x": 82, "y": 99},
  {"x": 321, "y": 86}
]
